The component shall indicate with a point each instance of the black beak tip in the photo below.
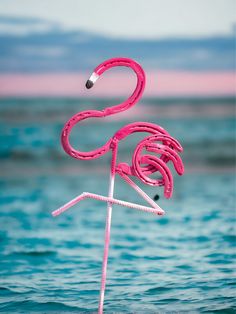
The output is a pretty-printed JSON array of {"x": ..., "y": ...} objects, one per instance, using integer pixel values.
[{"x": 89, "y": 84}]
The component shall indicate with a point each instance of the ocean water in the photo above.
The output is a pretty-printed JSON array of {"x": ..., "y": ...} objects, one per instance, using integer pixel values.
[{"x": 182, "y": 262}]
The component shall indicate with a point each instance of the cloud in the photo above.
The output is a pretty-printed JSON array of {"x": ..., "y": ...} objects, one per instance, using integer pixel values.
[
  {"x": 48, "y": 51},
  {"x": 50, "y": 48},
  {"x": 21, "y": 26}
]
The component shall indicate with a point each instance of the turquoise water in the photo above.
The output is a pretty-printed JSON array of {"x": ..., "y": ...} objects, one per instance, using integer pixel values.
[{"x": 182, "y": 262}]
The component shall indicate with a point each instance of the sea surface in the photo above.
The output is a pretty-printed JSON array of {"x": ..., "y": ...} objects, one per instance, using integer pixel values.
[{"x": 183, "y": 262}]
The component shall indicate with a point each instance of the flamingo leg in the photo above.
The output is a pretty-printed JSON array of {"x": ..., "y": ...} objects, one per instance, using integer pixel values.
[
  {"x": 66, "y": 206},
  {"x": 141, "y": 193},
  {"x": 114, "y": 148},
  {"x": 155, "y": 210}
]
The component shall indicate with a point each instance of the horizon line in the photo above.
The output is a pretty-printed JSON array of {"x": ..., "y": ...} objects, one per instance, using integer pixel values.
[{"x": 159, "y": 83}]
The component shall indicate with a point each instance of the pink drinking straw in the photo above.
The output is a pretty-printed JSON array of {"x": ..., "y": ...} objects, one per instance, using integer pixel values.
[{"x": 143, "y": 164}]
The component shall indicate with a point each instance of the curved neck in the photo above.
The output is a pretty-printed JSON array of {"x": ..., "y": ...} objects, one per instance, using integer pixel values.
[{"x": 140, "y": 85}]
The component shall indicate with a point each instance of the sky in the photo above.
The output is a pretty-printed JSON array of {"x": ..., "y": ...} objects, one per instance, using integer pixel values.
[
  {"x": 199, "y": 64},
  {"x": 129, "y": 18}
]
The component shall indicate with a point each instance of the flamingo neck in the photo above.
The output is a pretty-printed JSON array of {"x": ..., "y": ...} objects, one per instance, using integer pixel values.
[{"x": 140, "y": 85}]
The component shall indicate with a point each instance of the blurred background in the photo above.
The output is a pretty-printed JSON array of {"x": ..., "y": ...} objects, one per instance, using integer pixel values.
[{"x": 182, "y": 262}]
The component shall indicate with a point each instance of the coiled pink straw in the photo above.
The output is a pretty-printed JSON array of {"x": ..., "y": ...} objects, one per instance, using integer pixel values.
[{"x": 158, "y": 142}]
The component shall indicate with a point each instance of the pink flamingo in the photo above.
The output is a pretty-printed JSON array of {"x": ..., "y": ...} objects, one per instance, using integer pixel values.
[{"x": 158, "y": 141}]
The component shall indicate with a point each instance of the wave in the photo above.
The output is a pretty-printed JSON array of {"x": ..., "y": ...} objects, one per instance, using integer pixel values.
[
  {"x": 35, "y": 253},
  {"x": 29, "y": 306}
]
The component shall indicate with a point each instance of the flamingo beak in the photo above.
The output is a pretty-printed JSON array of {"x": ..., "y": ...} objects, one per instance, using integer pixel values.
[
  {"x": 89, "y": 84},
  {"x": 91, "y": 81}
]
